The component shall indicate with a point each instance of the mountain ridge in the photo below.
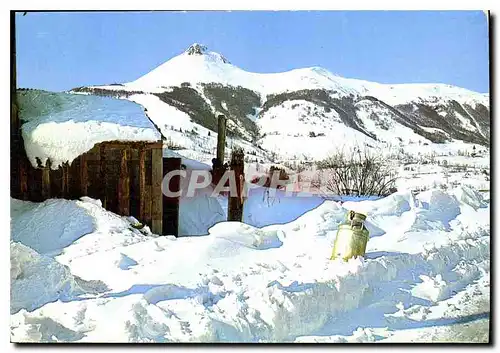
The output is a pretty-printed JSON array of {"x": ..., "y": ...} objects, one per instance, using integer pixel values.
[{"x": 203, "y": 84}]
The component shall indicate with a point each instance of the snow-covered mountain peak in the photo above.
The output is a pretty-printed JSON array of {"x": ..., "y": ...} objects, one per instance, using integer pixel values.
[
  {"x": 197, "y": 64},
  {"x": 200, "y": 83},
  {"x": 196, "y": 49}
]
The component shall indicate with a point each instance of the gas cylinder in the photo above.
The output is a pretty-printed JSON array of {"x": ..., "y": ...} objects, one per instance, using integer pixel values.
[{"x": 352, "y": 237}]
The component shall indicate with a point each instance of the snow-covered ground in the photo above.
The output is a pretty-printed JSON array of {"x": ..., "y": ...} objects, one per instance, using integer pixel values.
[{"x": 82, "y": 274}]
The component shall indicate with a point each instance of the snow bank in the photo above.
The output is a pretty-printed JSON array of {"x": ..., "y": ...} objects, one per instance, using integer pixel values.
[
  {"x": 266, "y": 206},
  {"x": 437, "y": 209},
  {"x": 248, "y": 236},
  {"x": 37, "y": 280},
  {"x": 275, "y": 284},
  {"x": 469, "y": 196},
  {"x": 62, "y": 126},
  {"x": 200, "y": 211},
  {"x": 50, "y": 226},
  {"x": 394, "y": 204}
]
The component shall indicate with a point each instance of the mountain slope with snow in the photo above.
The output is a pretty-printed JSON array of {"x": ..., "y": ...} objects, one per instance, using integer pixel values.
[
  {"x": 260, "y": 107},
  {"x": 198, "y": 65}
]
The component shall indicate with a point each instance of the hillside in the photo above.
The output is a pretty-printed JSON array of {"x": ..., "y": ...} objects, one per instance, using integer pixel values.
[{"x": 303, "y": 113}]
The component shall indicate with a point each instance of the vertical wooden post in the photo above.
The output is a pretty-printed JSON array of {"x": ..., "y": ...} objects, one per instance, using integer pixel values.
[
  {"x": 147, "y": 206},
  {"x": 102, "y": 171},
  {"x": 84, "y": 175},
  {"x": 65, "y": 180},
  {"x": 142, "y": 184},
  {"x": 147, "y": 196},
  {"x": 235, "y": 206},
  {"x": 221, "y": 138},
  {"x": 124, "y": 184},
  {"x": 156, "y": 193},
  {"x": 46, "y": 181},
  {"x": 34, "y": 185},
  {"x": 16, "y": 186},
  {"x": 23, "y": 175},
  {"x": 13, "y": 80},
  {"x": 171, "y": 204}
]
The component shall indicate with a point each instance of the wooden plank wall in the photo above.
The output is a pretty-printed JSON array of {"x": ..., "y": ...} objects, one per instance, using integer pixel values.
[
  {"x": 156, "y": 193},
  {"x": 126, "y": 177},
  {"x": 235, "y": 203}
]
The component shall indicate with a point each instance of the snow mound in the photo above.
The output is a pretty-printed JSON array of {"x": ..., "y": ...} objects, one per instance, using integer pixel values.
[
  {"x": 91, "y": 200},
  {"x": 50, "y": 226},
  {"x": 470, "y": 196},
  {"x": 395, "y": 204},
  {"x": 437, "y": 209},
  {"x": 37, "y": 280},
  {"x": 109, "y": 231},
  {"x": 248, "y": 236},
  {"x": 172, "y": 292}
]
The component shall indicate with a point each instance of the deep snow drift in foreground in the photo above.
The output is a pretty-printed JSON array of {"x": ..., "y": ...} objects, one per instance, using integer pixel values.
[{"x": 425, "y": 276}]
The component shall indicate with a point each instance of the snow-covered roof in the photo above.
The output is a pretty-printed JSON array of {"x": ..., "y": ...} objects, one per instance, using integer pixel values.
[{"x": 62, "y": 126}]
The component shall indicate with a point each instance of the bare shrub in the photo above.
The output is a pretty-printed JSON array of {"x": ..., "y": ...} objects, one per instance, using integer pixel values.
[
  {"x": 356, "y": 172},
  {"x": 174, "y": 146},
  {"x": 276, "y": 174}
]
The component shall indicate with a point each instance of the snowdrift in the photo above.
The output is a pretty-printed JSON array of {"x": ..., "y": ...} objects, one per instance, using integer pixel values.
[
  {"x": 427, "y": 265},
  {"x": 50, "y": 226},
  {"x": 36, "y": 280}
]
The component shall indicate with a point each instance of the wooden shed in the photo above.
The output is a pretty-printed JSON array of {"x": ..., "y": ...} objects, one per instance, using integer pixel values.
[{"x": 75, "y": 145}]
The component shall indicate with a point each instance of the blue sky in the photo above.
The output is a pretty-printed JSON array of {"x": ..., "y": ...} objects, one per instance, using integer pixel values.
[{"x": 59, "y": 51}]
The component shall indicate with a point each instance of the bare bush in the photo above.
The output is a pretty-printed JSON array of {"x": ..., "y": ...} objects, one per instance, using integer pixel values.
[
  {"x": 276, "y": 178},
  {"x": 174, "y": 146},
  {"x": 357, "y": 172}
]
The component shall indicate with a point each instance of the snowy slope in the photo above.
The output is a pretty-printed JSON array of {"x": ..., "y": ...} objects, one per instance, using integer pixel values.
[
  {"x": 198, "y": 64},
  {"x": 287, "y": 128},
  {"x": 277, "y": 111},
  {"x": 426, "y": 268}
]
